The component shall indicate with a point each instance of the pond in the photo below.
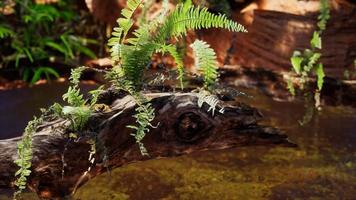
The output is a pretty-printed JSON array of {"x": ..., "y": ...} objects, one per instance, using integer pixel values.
[{"x": 322, "y": 167}]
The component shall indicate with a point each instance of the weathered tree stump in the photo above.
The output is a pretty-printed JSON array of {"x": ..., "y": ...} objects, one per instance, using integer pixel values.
[{"x": 182, "y": 127}]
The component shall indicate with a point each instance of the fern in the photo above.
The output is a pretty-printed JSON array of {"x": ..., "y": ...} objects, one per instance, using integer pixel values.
[
  {"x": 77, "y": 112},
  {"x": 187, "y": 17},
  {"x": 133, "y": 55},
  {"x": 5, "y": 31},
  {"x": 125, "y": 24},
  {"x": 324, "y": 15},
  {"x": 144, "y": 116},
  {"x": 309, "y": 61},
  {"x": 95, "y": 95},
  {"x": 172, "y": 50},
  {"x": 205, "y": 61},
  {"x": 40, "y": 71},
  {"x": 73, "y": 95},
  {"x": 24, "y": 148},
  {"x": 304, "y": 63},
  {"x": 78, "y": 116}
]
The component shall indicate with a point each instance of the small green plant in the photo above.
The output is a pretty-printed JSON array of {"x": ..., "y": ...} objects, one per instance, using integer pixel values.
[
  {"x": 131, "y": 56},
  {"x": 77, "y": 112},
  {"x": 205, "y": 61},
  {"x": 24, "y": 149},
  {"x": 144, "y": 116},
  {"x": 42, "y": 34},
  {"x": 306, "y": 63}
]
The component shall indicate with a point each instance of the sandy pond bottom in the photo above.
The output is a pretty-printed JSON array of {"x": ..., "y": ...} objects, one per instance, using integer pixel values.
[{"x": 322, "y": 167}]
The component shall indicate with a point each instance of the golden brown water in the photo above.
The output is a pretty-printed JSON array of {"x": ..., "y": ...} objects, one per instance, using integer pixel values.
[{"x": 322, "y": 167}]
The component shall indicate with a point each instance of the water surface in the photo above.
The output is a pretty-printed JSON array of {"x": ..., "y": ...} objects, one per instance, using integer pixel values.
[{"x": 322, "y": 167}]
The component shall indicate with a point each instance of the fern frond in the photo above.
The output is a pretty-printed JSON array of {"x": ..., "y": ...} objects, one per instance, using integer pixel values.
[
  {"x": 142, "y": 36},
  {"x": 119, "y": 33},
  {"x": 205, "y": 61},
  {"x": 126, "y": 22},
  {"x": 131, "y": 7},
  {"x": 135, "y": 60},
  {"x": 73, "y": 95},
  {"x": 5, "y": 31},
  {"x": 187, "y": 17},
  {"x": 145, "y": 114},
  {"x": 116, "y": 76},
  {"x": 95, "y": 95},
  {"x": 76, "y": 74},
  {"x": 24, "y": 148},
  {"x": 324, "y": 15},
  {"x": 172, "y": 50},
  {"x": 78, "y": 115}
]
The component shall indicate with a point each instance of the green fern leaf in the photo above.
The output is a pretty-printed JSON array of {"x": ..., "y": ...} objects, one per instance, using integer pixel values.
[
  {"x": 126, "y": 22},
  {"x": 320, "y": 74},
  {"x": 187, "y": 17},
  {"x": 5, "y": 31},
  {"x": 316, "y": 40},
  {"x": 205, "y": 61},
  {"x": 172, "y": 50},
  {"x": 296, "y": 61}
]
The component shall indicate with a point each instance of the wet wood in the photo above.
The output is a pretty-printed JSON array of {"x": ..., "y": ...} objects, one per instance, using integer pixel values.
[{"x": 182, "y": 127}]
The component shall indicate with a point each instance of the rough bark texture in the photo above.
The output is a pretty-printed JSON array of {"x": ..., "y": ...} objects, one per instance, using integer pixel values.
[{"x": 182, "y": 127}]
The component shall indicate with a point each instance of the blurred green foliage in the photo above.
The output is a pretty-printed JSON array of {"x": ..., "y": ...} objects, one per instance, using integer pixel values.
[
  {"x": 307, "y": 64},
  {"x": 34, "y": 36}
]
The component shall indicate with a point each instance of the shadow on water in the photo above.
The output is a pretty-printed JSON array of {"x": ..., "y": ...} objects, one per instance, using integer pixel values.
[{"x": 322, "y": 167}]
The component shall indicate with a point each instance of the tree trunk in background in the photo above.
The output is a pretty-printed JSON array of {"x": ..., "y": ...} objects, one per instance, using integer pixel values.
[{"x": 274, "y": 35}]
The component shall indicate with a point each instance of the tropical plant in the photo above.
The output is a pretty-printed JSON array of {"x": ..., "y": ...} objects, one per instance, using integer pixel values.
[{"x": 37, "y": 35}]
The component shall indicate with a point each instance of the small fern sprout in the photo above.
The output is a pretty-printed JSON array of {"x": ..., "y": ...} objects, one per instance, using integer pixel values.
[{"x": 205, "y": 61}]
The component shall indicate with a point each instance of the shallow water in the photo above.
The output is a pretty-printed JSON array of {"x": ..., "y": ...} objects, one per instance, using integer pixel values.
[
  {"x": 18, "y": 106},
  {"x": 322, "y": 167}
]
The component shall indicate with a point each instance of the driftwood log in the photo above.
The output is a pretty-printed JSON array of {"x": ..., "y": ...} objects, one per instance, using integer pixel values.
[{"x": 182, "y": 127}]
